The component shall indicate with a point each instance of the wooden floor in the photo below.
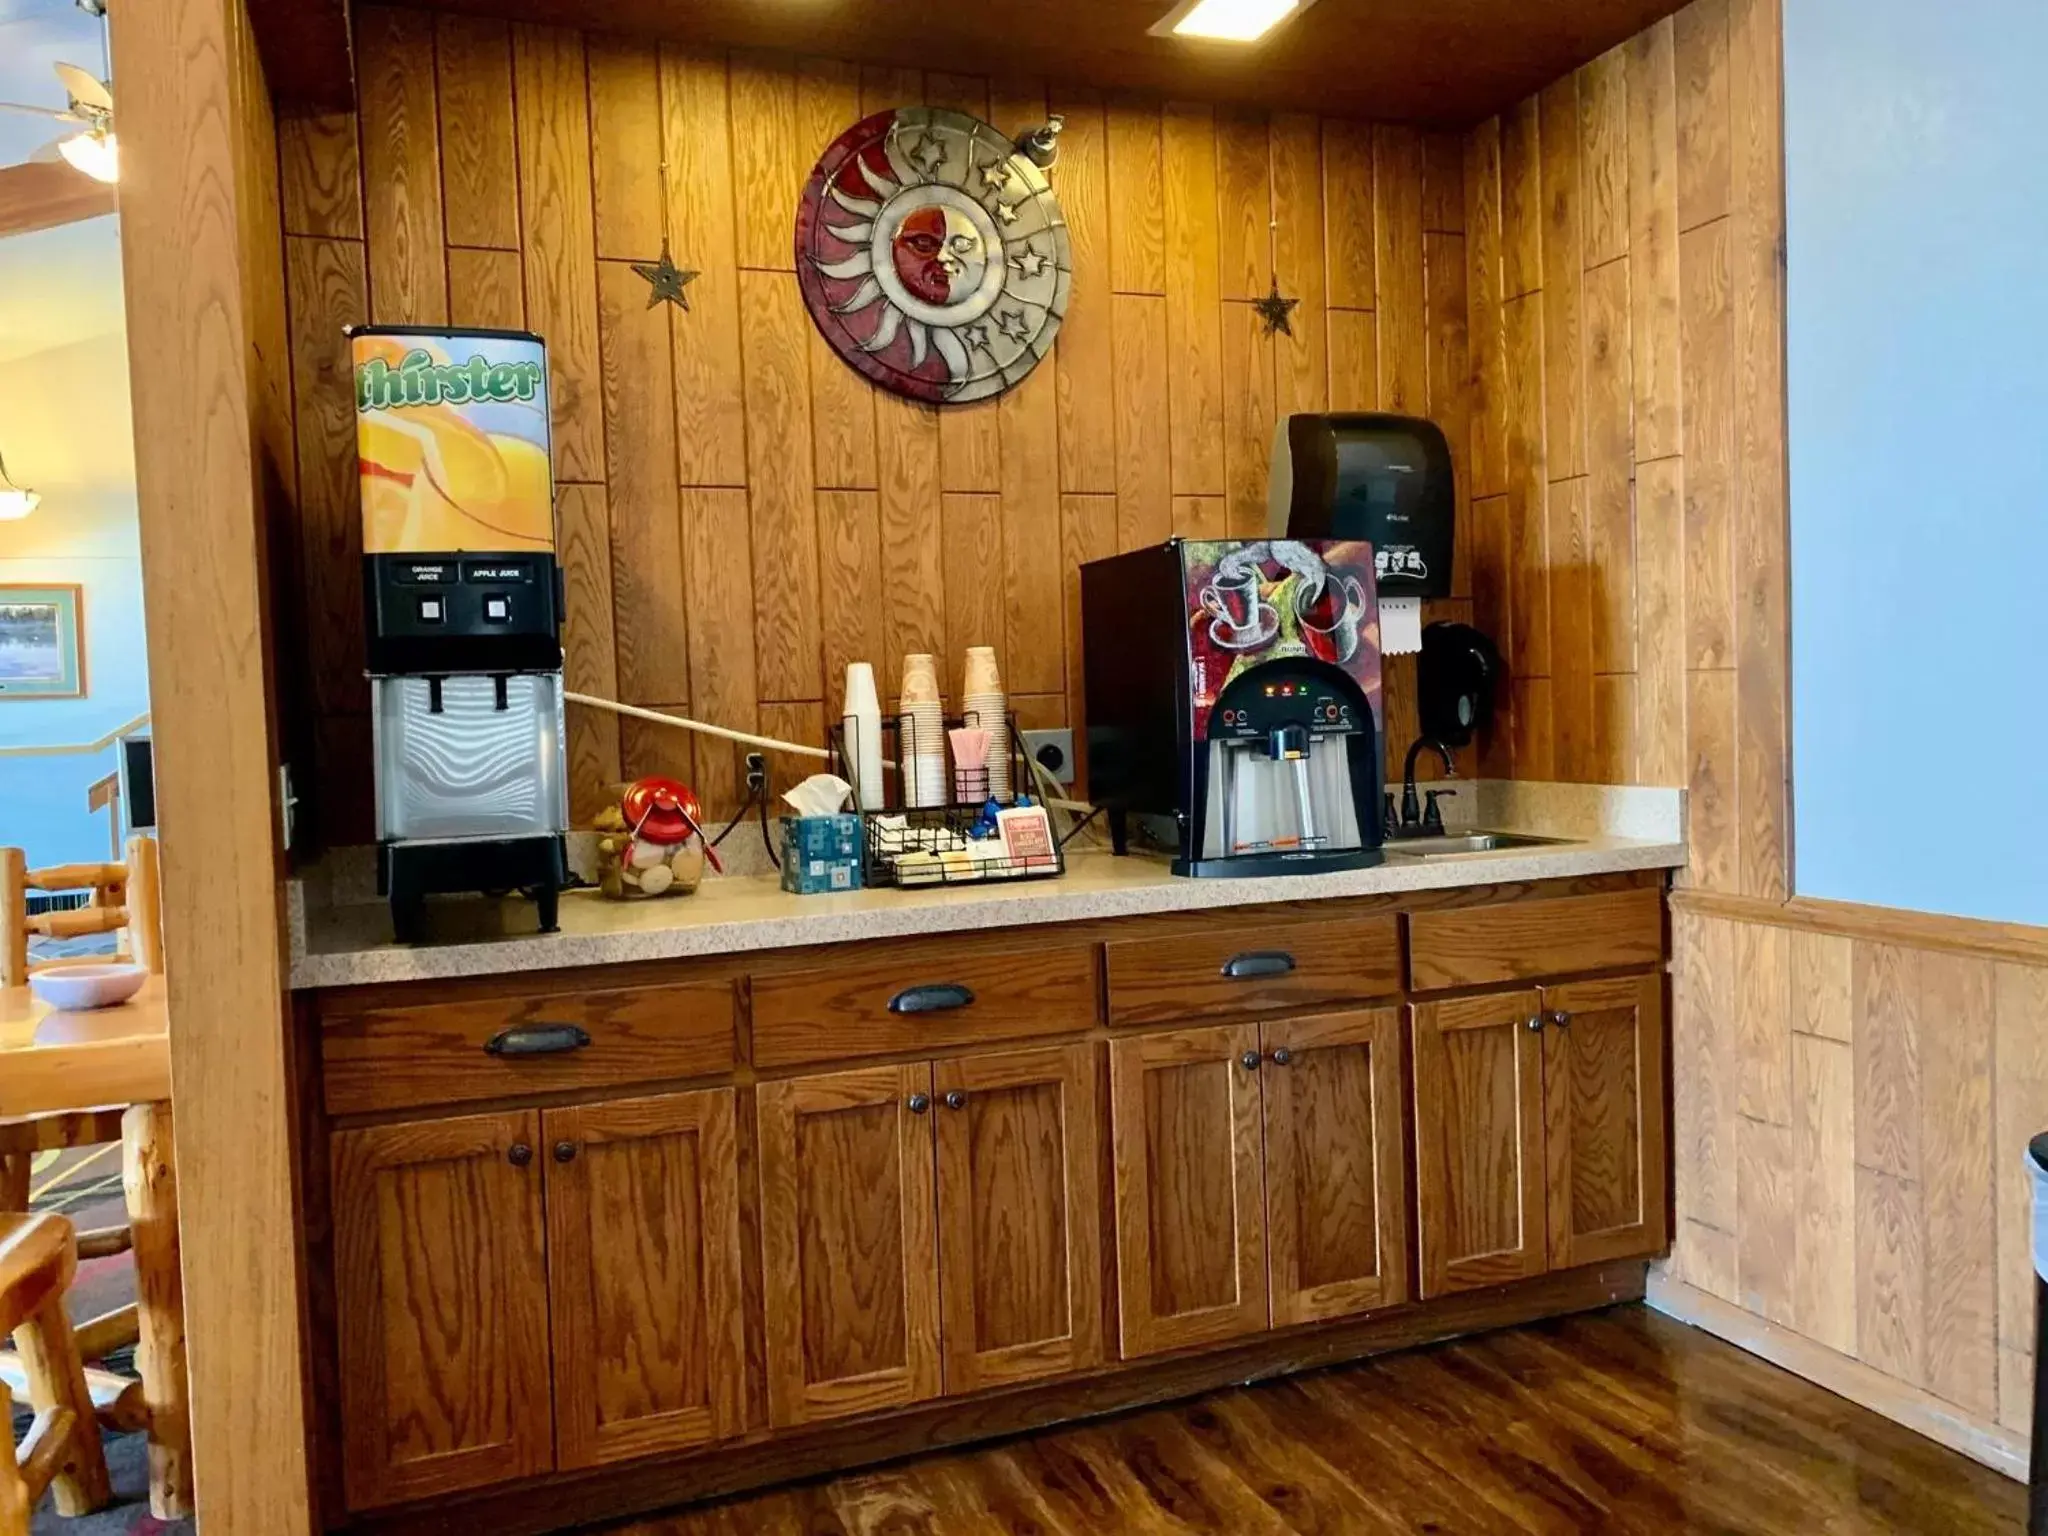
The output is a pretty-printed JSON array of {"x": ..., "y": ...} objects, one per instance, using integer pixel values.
[{"x": 1619, "y": 1421}]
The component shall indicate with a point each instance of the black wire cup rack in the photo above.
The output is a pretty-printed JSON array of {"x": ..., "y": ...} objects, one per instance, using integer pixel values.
[{"x": 932, "y": 845}]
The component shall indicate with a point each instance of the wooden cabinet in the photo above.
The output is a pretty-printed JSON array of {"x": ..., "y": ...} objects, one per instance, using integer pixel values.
[
  {"x": 1527, "y": 940},
  {"x": 418, "y": 1056},
  {"x": 644, "y": 1275},
  {"x": 850, "y": 1272},
  {"x": 1234, "y": 970},
  {"x": 442, "y": 1302},
  {"x": 1603, "y": 1083},
  {"x": 1479, "y": 1140},
  {"x": 1191, "y": 1238},
  {"x": 975, "y": 1178},
  {"x": 1259, "y": 1176},
  {"x": 1539, "y": 1130},
  {"x": 1336, "y": 1197},
  {"x": 446, "y": 1288},
  {"x": 1020, "y": 1253},
  {"x": 567, "y": 1288}
]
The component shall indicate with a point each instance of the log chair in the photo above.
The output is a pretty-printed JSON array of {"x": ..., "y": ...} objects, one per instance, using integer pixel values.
[{"x": 38, "y": 1257}]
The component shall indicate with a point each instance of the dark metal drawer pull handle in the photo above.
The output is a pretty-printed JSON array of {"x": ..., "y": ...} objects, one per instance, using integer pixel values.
[
  {"x": 537, "y": 1040},
  {"x": 941, "y": 997},
  {"x": 1264, "y": 962}
]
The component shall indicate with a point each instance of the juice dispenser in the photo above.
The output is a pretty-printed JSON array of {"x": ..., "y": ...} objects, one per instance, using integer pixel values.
[{"x": 463, "y": 609}]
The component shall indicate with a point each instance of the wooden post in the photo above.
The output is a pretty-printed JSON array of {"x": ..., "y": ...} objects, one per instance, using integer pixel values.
[
  {"x": 144, "y": 904},
  {"x": 202, "y": 270},
  {"x": 56, "y": 1378},
  {"x": 13, "y": 918},
  {"x": 14, "y": 1170},
  {"x": 152, "y": 1190}
]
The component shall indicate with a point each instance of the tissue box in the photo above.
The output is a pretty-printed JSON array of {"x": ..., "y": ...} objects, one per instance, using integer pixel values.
[{"x": 820, "y": 854}]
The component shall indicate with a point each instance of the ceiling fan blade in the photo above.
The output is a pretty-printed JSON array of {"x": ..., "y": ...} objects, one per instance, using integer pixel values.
[
  {"x": 85, "y": 87},
  {"x": 51, "y": 112}
]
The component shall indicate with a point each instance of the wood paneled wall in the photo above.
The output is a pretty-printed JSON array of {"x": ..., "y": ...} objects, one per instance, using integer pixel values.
[
  {"x": 1853, "y": 1089},
  {"x": 1625, "y": 231},
  {"x": 741, "y": 514}
]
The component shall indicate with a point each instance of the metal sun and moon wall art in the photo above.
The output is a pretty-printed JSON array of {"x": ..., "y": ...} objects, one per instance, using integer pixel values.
[{"x": 933, "y": 255}]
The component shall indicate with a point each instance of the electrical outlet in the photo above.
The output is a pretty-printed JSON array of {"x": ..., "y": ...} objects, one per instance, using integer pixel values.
[{"x": 1054, "y": 750}]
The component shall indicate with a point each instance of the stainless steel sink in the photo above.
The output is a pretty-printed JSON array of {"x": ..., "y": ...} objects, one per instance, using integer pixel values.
[{"x": 1452, "y": 847}]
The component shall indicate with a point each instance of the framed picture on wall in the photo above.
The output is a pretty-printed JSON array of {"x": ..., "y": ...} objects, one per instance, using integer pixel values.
[{"x": 42, "y": 643}]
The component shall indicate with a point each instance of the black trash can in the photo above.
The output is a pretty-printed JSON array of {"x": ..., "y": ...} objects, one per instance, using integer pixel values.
[{"x": 2037, "y": 1466}]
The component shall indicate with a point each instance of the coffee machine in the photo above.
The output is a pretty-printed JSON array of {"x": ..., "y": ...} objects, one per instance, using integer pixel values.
[
  {"x": 1233, "y": 703},
  {"x": 463, "y": 605}
]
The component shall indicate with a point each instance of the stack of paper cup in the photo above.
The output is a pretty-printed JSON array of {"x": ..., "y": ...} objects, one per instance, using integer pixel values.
[
  {"x": 863, "y": 730},
  {"x": 922, "y": 727},
  {"x": 983, "y": 704}
]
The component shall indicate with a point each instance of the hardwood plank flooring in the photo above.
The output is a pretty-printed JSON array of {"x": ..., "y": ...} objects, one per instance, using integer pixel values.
[{"x": 1620, "y": 1421}]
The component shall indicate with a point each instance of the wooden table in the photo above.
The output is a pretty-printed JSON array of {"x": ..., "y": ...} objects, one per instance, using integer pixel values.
[{"x": 52, "y": 1061}]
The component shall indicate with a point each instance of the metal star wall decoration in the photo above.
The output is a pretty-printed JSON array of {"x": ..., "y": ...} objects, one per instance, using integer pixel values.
[
  {"x": 1276, "y": 311},
  {"x": 665, "y": 279}
]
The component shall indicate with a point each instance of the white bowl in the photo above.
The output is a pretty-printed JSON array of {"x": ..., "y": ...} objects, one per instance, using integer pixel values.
[{"x": 88, "y": 986}]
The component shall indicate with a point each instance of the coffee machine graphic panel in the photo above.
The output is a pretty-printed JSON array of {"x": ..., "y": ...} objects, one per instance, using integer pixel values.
[{"x": 1250, "y": 603}]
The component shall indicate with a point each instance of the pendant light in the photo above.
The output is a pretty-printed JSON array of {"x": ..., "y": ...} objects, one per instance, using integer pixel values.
[{"x": 16, "y": 502}]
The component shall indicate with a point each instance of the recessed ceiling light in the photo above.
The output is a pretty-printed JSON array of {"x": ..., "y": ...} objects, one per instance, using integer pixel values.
[{"x": 1227, "y": 21}]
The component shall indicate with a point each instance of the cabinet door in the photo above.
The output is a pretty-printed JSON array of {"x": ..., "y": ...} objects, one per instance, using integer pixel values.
[
  {"x": 1020, "y": 1248},
  {"x": 850, "y": 1271},
  {"x": 441, "y": 1295},
  {"x": 1190, "y": 1209},
  {"x": 644, "y": 1275},
  {"x": 1603, "y": 1089},
  {"x": 1479, "y": 1141},
  {"x": 1336, "y": 1192}
]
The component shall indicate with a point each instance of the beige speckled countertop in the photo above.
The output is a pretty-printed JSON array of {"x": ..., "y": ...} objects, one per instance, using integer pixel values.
[{"x": 350, "y": 943}]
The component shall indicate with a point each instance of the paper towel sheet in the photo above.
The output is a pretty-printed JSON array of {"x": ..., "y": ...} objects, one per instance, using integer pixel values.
[{"x": 1400, "y": 626}]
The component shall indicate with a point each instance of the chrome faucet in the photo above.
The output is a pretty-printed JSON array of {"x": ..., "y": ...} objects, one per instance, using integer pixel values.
[{"x": 1412, "y": 821}]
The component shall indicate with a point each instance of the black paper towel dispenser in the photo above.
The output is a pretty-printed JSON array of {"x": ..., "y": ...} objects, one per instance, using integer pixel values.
[{"x": 1369, "y": 476}]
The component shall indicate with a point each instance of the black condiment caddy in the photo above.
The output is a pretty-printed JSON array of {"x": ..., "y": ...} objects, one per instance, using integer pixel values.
[{"x": 949, "y": 823}]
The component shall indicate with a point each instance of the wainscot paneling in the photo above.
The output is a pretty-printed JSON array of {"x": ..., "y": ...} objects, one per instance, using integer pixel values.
[
  {"x": 741, "y": 514},
  {"x": 1854, "y": 1091}
]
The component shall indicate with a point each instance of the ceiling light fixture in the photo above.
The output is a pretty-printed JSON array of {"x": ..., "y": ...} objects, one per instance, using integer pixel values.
[
  {"x": 1227, "y": 21},
  {"x": 16, "y": 502},
  {"x": 94, "y": 153}
]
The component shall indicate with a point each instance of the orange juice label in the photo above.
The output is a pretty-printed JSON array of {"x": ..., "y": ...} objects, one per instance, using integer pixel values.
[{"x": 452, "y": 443}]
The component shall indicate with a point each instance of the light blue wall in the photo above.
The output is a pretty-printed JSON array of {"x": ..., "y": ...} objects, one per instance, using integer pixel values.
[
  {"x": 1917, "y": 182},
  {"x": 65, "y": 430}
]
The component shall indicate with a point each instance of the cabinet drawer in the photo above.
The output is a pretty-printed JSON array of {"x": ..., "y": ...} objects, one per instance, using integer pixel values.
[
  {"x": 452, "y": 1053},
  {"x": 1522, "y": 940},
  {"x": 912, "y": 1004},
  {"x": 1246, "y": 970}
]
